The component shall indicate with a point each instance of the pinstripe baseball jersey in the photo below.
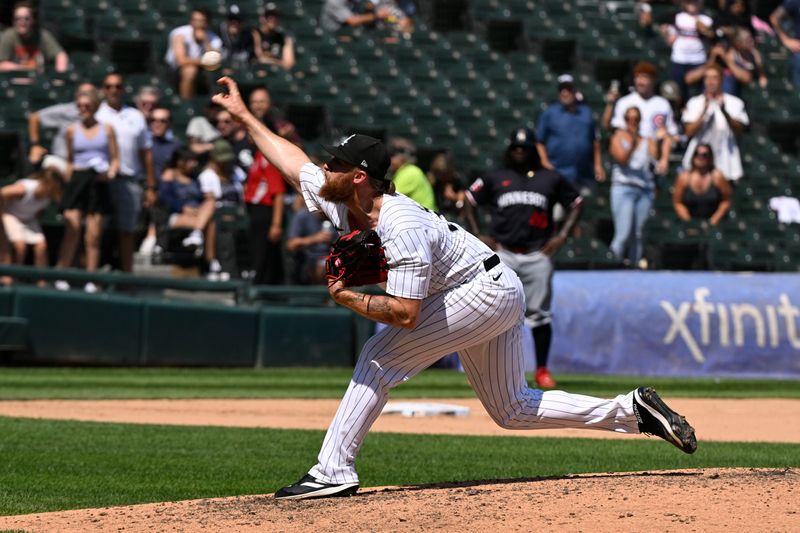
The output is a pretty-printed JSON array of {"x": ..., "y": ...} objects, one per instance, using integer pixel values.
[{"x": 426, "y": 254}]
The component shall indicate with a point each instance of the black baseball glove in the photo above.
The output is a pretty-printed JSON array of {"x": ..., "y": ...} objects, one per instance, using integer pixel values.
[{"x": 357, "y": 259}]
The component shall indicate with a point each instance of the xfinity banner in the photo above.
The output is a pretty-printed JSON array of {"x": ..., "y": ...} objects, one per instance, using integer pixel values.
[{"x": 677, "y": 324}]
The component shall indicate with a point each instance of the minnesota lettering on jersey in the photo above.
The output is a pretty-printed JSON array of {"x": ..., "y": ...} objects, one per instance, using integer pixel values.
[{"x": 522, "y": 198}]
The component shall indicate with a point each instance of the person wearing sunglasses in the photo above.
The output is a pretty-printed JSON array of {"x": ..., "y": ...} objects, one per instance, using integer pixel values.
[
  {"x": 26, "y": 47},
  {"x": 632, "y": 186},
  {"x": 702, "y": 192}
]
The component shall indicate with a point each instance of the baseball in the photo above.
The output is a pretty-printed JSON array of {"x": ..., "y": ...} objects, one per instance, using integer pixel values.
[{"x": 211, "y": 60}]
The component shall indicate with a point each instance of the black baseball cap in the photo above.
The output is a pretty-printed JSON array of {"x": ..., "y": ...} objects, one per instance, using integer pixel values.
[
  {"x": 234, "y": 12},
  {"x": 365, "y": 152},
  {"x": 522, "y": 137}
]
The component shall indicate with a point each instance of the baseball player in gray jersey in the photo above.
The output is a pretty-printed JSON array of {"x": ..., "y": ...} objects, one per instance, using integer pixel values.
[{"x": 446, "y": 291}]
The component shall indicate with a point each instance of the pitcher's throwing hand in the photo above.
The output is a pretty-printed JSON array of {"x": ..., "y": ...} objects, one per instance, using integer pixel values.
[{"x": 231, "y": 99}]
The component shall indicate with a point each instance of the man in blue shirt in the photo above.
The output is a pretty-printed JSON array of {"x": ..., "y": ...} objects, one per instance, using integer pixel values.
[
  {"x": 567, "y": 139},
  {"x": 790, "y": 9}
]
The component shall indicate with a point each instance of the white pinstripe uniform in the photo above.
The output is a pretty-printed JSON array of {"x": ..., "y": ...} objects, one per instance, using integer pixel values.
[{"x": 465, "y": 308}]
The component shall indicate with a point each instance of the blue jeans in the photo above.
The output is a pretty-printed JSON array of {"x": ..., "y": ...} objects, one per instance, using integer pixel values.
[{"x": 630, "y": 207}]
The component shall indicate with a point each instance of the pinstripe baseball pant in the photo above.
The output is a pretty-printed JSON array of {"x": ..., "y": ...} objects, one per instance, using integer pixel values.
[{"x": 483, "y": 321}]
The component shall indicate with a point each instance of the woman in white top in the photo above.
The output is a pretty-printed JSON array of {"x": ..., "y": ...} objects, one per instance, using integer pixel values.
[
  {"x": 22, "y": 201},
  {"x": 685, "y": 36},
  {"x": 632, "y": 186}
]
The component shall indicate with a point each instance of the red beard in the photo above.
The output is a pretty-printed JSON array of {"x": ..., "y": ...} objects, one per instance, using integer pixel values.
[{"x": 338, "y": 191}]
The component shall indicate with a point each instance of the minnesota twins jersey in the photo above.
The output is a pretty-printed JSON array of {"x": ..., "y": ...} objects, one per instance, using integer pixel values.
[
  {"x": 522, "y": 206},
  {"x": 426, "y": 254}
]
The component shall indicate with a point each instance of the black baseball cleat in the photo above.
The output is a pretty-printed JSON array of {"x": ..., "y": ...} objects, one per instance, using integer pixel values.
[
  {"x": 655, "y": 418},
  {"x": 310, "y": 487}
]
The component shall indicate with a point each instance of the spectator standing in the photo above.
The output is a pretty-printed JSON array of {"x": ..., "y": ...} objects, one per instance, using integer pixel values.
[
  {"x": 92, "y": 162},
  {"x": 339, "y": 13},
  {"x": 656, "y": 112},
  {"x": 237, "y": 38},
  {"x": 632, "y": 186},
  {"x": 188, "y": 206},
  {"x": 701, "y": 191},
  {"x": 235, "y": 134},
  {"x": 789, "y": 10},
  {"x": 260, "y": 104},
  {"x": 272, "y": 46},
  {"x": 164, "y": 142},
  {"x": 309, "y": 241},
  {"x": 164, "y": 146},
  {"x": 264, "y": 196},
  {"x": 743, "y": 64},
  {"x": 135, "y": 165},
  {"x": 735, "y": 15},
  {"x": 147, "y": 98},
  {"x": 521, "y": 196},
  {"x": 685, "y": 36},
  {"x": 25, "y": 47},
  {"x": 407, "y": 177},
  {"x": 186, "y": 45},
  {"x": 57, "y": 116},
  {"x": 22, "y": 202},
  {"x": 716, "y": 118},
  {"x": 567, "y": 138}
]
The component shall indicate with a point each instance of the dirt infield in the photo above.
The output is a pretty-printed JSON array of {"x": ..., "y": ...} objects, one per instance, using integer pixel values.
[{"x": 690, "y": 500}]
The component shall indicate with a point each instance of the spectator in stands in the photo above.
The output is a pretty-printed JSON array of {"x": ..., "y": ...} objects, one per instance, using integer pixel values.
[
  {"x": 135, "y": 165},
  {"x": 685, "y": 35},
  {"x": 566, "y": 138},
  {"x": 21, "y": 204},
  {"x": 25, "y": 47},
  {"x": 339, "y": 13},
  {"x": 188, "y": 206},
  {"x": 237, "y": 39},
  {"x": 716, "y": 118},
  {"x": 701, "y": 191},
  {"x": 272, "y": 45},
  {"x": 201, "y": 132},
  {"x": 222, "y": 179},
  {"x": 147, "y": 99},
  {"x": 264, "y": 196},
  {"x": 186, "y": 45},
  {"x": 789, "y": 10},
  {"x": 408, "y": 178},
  {"x": 632, "y": 186},
  {"x": 164, "y": 145},
  {"x": 743, "y": 64},
  {"x": 57, "y": 116},
  {"x": 164, "y": 142},
  {"x": 656, "y": 112},
  {"x": 309, "y": 241},
  {"x": 644, "y": 16},
  {"x": 449, "y": 192},
  {"x": 734, "y": 15},
  {"x": 260, "y": 104},
  {"x": 401, "y": 14},
  {"x": 92, "y": 162},
  {"x": 235, "y": 134}
]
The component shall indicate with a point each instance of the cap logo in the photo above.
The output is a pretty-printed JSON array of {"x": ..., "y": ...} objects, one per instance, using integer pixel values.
[
  {"x": 364, "y": 163},
  {"x": 346, "y": 140}
]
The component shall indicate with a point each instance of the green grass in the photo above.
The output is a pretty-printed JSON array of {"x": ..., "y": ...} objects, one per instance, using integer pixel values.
[
  {"x": 54, "y": 465},
  {"x": 92, "y": 383}
]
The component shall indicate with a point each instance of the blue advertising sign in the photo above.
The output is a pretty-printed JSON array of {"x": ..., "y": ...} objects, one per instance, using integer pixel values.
[{"x": 677, "y": 324}]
